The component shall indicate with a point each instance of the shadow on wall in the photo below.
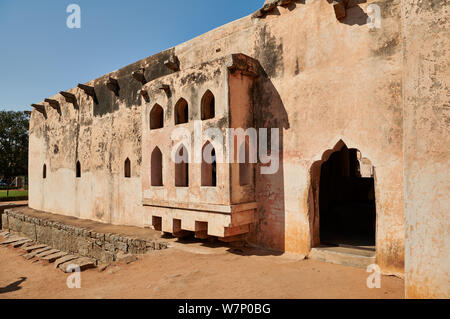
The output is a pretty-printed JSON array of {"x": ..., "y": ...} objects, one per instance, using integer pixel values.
[
  {"x": 13, "y": 286},
  {"x": 354, "y": 14},
  {"x": 270, "y": 113}
]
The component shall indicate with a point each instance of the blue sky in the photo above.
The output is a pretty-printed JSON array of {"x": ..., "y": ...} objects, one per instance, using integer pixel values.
[{"x": 40, "y": 55}]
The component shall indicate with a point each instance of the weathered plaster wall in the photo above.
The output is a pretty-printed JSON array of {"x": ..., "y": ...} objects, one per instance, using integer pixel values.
[
  {"x": 326, "y": 81},
  {"x": 323, "y": 81},
  {"x": 99, "y": 135},
  {"x": 426, "y": 147}
]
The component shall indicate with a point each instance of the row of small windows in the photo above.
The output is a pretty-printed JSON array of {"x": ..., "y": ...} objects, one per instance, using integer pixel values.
[
  {"x": 181, "y": 111},
  {"x": 208, "y": 168},
  {"x": 127, "y": 169}
]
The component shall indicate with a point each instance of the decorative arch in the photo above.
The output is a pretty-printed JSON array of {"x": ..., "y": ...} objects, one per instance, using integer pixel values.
[
  {"x": 182, "y": 167},
  {"x": 156, "y": 117},
  {"x": 341, "y": 198},
  {"x": 181, "y": 112},
  {"x": 208, "y": 106},
  {"x": 209, "y": 165},
  {"x": 156, "y": 166}
]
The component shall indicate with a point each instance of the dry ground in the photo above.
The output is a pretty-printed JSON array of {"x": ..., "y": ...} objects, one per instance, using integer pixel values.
[{"x": 194, "y": 271}]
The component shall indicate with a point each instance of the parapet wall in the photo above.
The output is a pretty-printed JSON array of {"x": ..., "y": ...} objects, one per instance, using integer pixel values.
[{"x": 103, "y": 247}]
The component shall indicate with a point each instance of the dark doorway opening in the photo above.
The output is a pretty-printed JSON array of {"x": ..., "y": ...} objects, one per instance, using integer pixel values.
[{"x": 346, "y": 200}]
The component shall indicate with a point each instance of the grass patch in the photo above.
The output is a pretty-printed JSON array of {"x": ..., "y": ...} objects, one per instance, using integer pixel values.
[{"x": 13, "y": 193}]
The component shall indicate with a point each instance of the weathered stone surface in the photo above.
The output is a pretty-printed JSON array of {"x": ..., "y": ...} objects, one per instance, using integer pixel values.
[
  {"x": 34, "y": 247},
  {"x": 29, "y": 244},
  {"x": 121, "y": 246},
  {"x": 82, "y": 263},
  {"x": 20, "y": 243},
  {"x": 52, "y": 257},
  {"x": 65, "y": 259},
  {"x": 5, "y": 224},
  {"x": 57, "y": 237},
  {"x": 12, "y": 240},
  {"x": 35, "y": 252},
  {"x": 125, "y": 258},
  {"x": 46, "y": 253}
]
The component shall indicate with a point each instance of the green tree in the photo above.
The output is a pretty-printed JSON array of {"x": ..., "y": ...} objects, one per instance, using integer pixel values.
[{"x": 13, "y": 143}]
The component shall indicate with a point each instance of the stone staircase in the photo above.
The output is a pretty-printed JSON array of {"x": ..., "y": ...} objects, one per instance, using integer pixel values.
[
  {"x": 33, "y": 250},
  {"x": 355, "y": 256}
]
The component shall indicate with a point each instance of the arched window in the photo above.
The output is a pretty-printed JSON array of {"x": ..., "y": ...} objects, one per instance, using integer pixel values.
[
  {"x": 209, "y": 166},
  {"x": 156, "y": 177},
  {"x": 244, "y": 165},
  {"x": 127, "y": 168},
  {"x": 181, "y": 112},
  {"x": 78, "y": 169},
  {"x": 208, "y": 106},
  {"x": 182, "y": 167},
  {"x": 44, "y": 171},
  {"x": 156, "y": 117}
]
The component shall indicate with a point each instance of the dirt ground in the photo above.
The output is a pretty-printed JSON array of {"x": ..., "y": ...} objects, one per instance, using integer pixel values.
[{"x": 191, "y": 270}]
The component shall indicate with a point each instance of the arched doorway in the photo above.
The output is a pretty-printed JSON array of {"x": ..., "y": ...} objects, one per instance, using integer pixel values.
[{"x": 347, "y": 212}]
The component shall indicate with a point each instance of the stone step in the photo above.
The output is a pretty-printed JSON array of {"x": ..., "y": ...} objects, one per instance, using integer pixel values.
[
  {"x": 83, "y": 263},
  {"x": 64, "y": 259},
  {"x": 35, "y": 252},
  {"x": 12, "y": 240},
  {"x": 51, "y": 258},
  {"x": 34, "y": 247},
  {"x": 347, "y": 256},
  {"x": 46, "y": 253},
  {"x": 29, "y": 244},
  {"x": 20, "y": 243}
]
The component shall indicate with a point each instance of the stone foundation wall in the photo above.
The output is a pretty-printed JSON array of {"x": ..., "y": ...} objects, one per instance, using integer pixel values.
[
  {"x": 103, "y": 247},
  {"x": 3, "y": 207}
]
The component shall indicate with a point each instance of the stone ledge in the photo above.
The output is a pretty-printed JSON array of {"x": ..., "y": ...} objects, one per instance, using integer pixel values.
[{"x": 103, "y": 247}]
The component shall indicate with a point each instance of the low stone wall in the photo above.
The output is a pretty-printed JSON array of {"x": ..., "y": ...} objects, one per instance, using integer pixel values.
[
  {"x": 103, "y": 247},
  {"x": 3, "y": 207}
]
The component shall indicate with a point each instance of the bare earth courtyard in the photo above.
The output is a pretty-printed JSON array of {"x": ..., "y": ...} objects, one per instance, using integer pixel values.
[{"x": 191, "y": 270}]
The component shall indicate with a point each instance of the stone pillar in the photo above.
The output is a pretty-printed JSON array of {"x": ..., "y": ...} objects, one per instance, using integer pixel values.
[{"x": 426, "y": 57}]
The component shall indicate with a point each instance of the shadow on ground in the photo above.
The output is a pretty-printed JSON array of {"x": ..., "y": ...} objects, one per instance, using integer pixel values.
[
  {"x": 239, "y": 249},
  {"x": 13, "y": 286}
]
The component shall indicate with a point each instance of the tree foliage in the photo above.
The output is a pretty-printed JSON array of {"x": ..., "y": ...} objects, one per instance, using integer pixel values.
[{"x": 13, "y": 143}]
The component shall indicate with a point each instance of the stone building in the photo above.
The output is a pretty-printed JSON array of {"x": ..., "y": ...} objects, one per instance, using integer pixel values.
[{"x": 359, "y": 93}]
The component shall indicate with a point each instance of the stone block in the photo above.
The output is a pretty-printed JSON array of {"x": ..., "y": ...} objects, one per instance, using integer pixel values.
[
  {"x": 121, "y": 246},
  {"x": 51, "y": 258},
  {"x": 5, "y": 224},
  {"x": 64, "y": 259}
]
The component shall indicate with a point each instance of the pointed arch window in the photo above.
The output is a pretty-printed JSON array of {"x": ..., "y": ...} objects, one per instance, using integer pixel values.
[
  {"x": 209, "y": 166},
  {"x": 156, "y": 117},
  {"x": 156, "y": 176},
  {"x": 182, "y": 167},
  {"x": 208, "y": 106},
  {"x": 44, "y": 171},
  {"x": 181, "y": 112}
]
